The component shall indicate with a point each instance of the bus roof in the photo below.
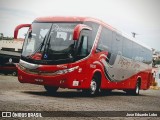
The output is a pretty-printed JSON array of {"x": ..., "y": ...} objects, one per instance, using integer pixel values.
[
  {"x": 84, "y": 19},
  {"x": 72, "y": 19}
]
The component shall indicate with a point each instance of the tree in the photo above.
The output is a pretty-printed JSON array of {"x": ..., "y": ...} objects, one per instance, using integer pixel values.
[
  {"x": 156, "y": 62},
  {"x": 1, "y": 36}
]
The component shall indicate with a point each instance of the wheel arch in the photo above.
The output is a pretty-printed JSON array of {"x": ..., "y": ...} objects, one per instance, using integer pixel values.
[
  {"x": 98, "y": 74},
  {"x": 139, "y": 80}
]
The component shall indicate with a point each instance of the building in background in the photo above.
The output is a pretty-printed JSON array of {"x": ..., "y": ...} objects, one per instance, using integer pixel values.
[
  {"x": 10, "y": 51},
  {"x": 156, "y": 58},
  {"x": 1, "y": 36},
  {"x": 157, "y": 76},
  {"x": 156, "y": 54},
  {"x": 11, "y": 45}
]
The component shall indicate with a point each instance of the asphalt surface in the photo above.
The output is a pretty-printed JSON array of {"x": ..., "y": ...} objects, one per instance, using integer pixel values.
[{"x": 15, "y": 96}]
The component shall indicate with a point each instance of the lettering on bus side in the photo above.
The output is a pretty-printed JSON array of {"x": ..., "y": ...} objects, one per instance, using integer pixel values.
[
  {"x": 127, "y": 63},
  {"x": 124, "y": 62}
]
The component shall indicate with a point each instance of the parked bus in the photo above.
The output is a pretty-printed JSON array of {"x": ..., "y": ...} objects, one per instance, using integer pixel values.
[{"x": 82, "y": 53}]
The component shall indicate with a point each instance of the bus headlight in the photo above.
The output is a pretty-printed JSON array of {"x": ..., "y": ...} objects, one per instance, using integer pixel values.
[
  {"x": 60, "y": 72},
  {"x": 28, "y": 65}
]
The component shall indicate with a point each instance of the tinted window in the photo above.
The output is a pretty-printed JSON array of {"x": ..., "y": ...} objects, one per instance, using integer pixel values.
[
  {"x": 117, "y": 44},
  {"x": 135, "y": 51},
  {"x": 94, "y": 27},
  {"x": 105, "y": 42},
  {"x": 83, "y": 46},
  {"x": 148, "y": 56},
  {"x": 142, "y": 54},
  {"x": 127, "y": 48}
]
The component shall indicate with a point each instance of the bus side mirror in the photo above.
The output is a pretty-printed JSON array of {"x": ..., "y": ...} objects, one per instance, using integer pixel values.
[
  {"x": 78, "y": 29},
  {"x": 19, "y": 27}
]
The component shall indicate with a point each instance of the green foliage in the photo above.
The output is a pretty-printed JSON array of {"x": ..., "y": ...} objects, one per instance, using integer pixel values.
[
  {"x": 1, "y": 36},
  {"x": 5, "y": 38},
  {"x": 157, "y": 61}
]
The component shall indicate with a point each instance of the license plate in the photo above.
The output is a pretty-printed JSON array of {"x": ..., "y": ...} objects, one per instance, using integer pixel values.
[
  {"x": 75, "y": 83},
  {"x": 38, "y": 80}
]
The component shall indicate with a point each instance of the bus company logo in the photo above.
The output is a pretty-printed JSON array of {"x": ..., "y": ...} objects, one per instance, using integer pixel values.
[
  {"x": 59, "y": 29},
  {"x": 6, "y": 114}
]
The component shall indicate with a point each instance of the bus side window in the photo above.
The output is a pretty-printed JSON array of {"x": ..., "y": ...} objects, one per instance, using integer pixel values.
[
  {"x": 117, "y": 43},
  {"x": 93, "y": 33},
  {"x": 135, "y": 51},
  {"x": 127, "y": 48},
  {"x": 105, "y": 41},
  {"x": 83, "y": 49}
]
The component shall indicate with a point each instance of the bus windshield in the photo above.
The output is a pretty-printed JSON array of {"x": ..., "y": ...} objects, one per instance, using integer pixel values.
[{"x": 53, "y": 40}]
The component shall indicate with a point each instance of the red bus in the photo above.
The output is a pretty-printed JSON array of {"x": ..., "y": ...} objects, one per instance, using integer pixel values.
[{"x": 82, "y": 53}]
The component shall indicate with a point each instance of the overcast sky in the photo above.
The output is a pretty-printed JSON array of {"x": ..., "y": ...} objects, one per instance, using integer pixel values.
[{"x": 139, "y": 16}]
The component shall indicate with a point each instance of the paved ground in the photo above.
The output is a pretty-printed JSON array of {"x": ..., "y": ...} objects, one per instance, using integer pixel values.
[{"x": 15, "y": 96}]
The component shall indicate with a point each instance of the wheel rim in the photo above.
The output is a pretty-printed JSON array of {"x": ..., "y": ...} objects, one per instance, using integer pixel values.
[
  {"x": 137, "y": 89},
  {"x": 14, "y": 73},
  {"x": 93, "y": 86}
]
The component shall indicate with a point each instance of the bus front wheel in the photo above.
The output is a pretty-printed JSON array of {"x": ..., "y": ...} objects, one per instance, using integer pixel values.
[
  {"x": 94, "y": 87},
  {"x": 51, "y": 89}
]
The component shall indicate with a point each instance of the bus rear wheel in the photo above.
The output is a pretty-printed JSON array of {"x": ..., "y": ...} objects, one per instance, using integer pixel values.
[
  {"x": 136, "y": 90},
  {"x": 51, "y": 89}
]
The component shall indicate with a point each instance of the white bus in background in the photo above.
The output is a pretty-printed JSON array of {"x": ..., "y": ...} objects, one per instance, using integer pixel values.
[{"x": 11, "y": 45}]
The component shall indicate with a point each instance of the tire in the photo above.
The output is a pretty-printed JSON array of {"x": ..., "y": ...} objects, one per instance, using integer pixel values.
[
  {"x": 94, "y": 87},
  {"x": 51, "y": 89},
  {"x": 14, "y": 73},
  {"x": 136, "y": 90}
]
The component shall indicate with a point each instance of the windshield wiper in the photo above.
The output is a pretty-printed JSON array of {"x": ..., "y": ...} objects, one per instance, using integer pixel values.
[
  {"x": 42, "y": 43},
  {"x": 39, "y": 48},
  {"x": 47, "y": 41}
]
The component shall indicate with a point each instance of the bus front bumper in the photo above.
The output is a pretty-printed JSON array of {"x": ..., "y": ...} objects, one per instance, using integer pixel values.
[{"x": 67, "y": 80}]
